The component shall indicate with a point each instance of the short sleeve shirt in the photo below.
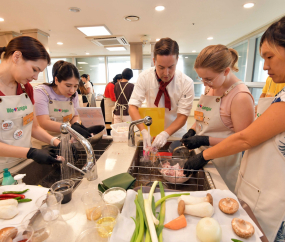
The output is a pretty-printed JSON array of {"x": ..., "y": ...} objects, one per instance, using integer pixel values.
[
  {"x": 87, "y": 85},
  {"x": 280, "y": 97},
  {"x": 272, "y": 87},
  {"x": 42, "y": 101}
]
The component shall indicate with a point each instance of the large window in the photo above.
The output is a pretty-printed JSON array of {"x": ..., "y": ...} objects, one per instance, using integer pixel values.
[
  {"x": 242, "y": 54},
  {"x": 116, "y": 64},
  {"x": 94, "y": 66},
  {"x": 259, "y": 75},
  {"x": 49, "y": 68}
]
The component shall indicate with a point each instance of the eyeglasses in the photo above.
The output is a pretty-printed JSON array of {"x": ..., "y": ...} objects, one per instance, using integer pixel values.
[{"x": 207, "y": 82}]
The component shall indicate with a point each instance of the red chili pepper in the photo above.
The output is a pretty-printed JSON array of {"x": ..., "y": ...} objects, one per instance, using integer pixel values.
[
  {"x": 24, "y": 240},
  {"x": 7, "y": 196}
]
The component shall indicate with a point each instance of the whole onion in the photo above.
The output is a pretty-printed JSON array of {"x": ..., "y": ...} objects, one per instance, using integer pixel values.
[{"x": 208, "y": 230}]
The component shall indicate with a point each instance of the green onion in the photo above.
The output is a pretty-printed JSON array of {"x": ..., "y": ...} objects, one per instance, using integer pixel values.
[
  {"x": 161, "y": 214},
  {"x": 169, "y": 196},
  {"x": 141, "y": 222}
]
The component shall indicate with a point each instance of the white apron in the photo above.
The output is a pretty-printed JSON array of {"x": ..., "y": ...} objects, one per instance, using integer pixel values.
[
  {"x": 16, "y": 124},
  {"x": 261, "y": 183},
  {"x": 122, "y": 107},
  {"x": 263, "y": 104},
  {"x": 171, "y": 115},
  {"x": 108, "y": 105},
  {"x": 209, "y": 123}
]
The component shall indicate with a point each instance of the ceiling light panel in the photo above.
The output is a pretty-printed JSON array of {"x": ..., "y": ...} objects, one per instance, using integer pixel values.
[
  {"x": 82, "y": 63},
  {"x": 59, "y": 43},
  {"x": 159, "y": 8},
  {"x": 248, "y": 5},
  {"x": 210, "y": 38},
  {"x": 1, "y": 19},
  {"x": 94, "y": 30},
  {"x": 118, "y": 48}
]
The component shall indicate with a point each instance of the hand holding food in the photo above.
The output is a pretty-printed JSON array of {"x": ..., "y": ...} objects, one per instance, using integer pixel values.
[
  {"x": 195, "y": 162},
  {"x": 42, "y": 156},
  {"x": 190, "y": 200},
  {"x": 242, "y": 228},
  {"x": 202, "y": 210},
  {"x": 160, "y": 140},
  {"x": 190, "y": 133},
  {"x": 196, "y": 141},
  {"x": 209, "y": 230},
  {"x": 228, "y": 205}
]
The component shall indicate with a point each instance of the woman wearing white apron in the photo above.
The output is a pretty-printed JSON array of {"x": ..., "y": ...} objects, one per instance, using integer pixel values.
[
  {"x": 123, "y": 91},
  {"x": 261, "y": 181},
  {"x": 22, "y": 60},
  {"x": 227, "y": 107},
  {"x": 56, "y": 103}
]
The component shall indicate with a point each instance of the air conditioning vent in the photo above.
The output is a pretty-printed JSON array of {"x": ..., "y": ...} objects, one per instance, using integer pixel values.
[{"x": 108, "y": 40}]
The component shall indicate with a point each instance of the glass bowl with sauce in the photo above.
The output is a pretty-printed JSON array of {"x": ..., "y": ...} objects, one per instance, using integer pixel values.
[{"x": 65, "y": 187}]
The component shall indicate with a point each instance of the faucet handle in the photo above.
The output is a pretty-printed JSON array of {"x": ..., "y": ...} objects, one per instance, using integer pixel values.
[{"x": 147, "y": 120}]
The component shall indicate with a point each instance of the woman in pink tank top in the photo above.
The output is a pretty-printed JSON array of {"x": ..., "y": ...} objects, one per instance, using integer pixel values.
[{"x": 227, "y": 106}]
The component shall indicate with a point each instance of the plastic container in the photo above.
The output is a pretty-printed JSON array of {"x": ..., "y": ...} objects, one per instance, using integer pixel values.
[
  {"x": 91, "y": 200},
  {"x": 92, "y": 234},
  {"x": 120, "y": 132},
  {"x": 113, "y": 197},
  {"x": 7, "y": 178},
  {"x": 24, "y": 232},
  {"x": 51, "y": 201}
]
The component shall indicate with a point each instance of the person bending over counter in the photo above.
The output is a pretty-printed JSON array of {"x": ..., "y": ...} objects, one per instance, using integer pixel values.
[
  {"x": 261, "y": 180},
  {"x": 56, "y": 103},
  {"x": 22, "y": 61},
  {"x": 226, "y": 108}
]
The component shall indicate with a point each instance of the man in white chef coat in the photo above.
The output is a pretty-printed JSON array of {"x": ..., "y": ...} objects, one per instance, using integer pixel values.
[{"x": 164, "y": 86}]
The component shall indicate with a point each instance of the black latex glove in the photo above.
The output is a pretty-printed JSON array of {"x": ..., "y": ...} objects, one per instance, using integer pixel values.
[
  {"x": 96, "y": 129},
  {"x": 56, "y": 150},
  {"x": 194, "y": 163},
  {"x": 190, "y": 133},
  {"x": 196, "y": 141},
  {"x": 79, "y": 128},
  {"x": 42, "y": 156}
]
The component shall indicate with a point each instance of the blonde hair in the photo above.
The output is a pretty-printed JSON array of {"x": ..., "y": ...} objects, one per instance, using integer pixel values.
[{"x": 217, "y": 58}]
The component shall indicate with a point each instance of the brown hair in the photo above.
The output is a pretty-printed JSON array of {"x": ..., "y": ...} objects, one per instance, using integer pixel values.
[
  {"x": 275, "y": 35},
  {"x": 217, "y": 58},
  {"x": 31, "y": 49},
  {"x": 82, "y": 88},
  {"x": 166, "y": 46}
]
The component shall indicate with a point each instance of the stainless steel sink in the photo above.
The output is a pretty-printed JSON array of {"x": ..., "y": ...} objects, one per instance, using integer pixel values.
[
  {"x": 46, "y": 175},
  {"x": 146, "y": 172}
]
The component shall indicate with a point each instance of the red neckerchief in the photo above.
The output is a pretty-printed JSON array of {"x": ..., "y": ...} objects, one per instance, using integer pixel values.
[{"x": 163, "y": 90}]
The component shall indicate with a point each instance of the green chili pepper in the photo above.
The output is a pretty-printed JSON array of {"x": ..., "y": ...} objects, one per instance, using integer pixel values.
[
  {"x": 17, "y": 198},
  {"x": 24, "y": 200},
  {"x": 236, "y": 240},
  {"x": 15, "y": 192}
]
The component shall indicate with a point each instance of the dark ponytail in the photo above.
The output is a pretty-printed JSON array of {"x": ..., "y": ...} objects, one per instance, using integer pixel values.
[
  {"x": 63, "y": 71},
  {"x": 31, "y": 49}
]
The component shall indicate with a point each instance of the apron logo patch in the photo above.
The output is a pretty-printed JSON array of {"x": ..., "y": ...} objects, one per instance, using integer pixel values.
[
  {"x": 7, "y": 125},
  {"x": 18, "y": 134},
  {"x": 204, "y": 107},
  {"x": 61, "y": 110},
  {"x": 12, "y": 110}
]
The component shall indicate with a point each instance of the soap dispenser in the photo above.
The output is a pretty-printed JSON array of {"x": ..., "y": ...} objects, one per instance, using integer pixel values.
[
  {"x": 7, "y": 178},
  {"x": 19, "y": 179}
]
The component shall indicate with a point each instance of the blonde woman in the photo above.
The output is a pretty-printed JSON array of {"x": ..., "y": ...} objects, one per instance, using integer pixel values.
[{"x": 226, "y": 108}]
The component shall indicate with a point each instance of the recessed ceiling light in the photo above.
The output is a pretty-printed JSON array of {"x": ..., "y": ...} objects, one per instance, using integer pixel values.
[
  {"x": 1, "y": 19},
  {"x": 87, "y": 53},
  {"x": 80, "y": 67},
  {"x": 118, "y": 48},
  {"x": 209, "y": 38},
  {"x": 82, "y": 63},
  {"x": 81, "y": 70},
  {"x": 159, "y": 8},
  {"x": 239, "y": 56},
  {"x": 186, "y": 57},
  {"x": 193, "y": 51},
  {"x": 59, "y": 43},
  {"x": 94, "y": 30},
  {"x": 90, "y": 69},
  {"x": 157, "y": 39},
  {"x": 74, "y": 9},
  {"x": 132, "y": 18},
  {"x": 248, "y": 5}
]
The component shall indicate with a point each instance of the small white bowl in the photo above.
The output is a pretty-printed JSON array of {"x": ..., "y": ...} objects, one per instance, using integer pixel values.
[{"x": 119, "y": 203}]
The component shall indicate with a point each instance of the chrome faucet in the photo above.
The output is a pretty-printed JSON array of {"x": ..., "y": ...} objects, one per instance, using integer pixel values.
[
  {"x": 90, "y": 168},
  {"x": 131, "y": 136}
]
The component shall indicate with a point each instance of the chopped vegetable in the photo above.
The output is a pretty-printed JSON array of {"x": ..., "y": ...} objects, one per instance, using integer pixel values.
[
  {"x": 177, "y": 223},
  {"x": 236, "y": 240},
  {"x": 15, "y": 192},
  {"x": 24, "y": 200}
]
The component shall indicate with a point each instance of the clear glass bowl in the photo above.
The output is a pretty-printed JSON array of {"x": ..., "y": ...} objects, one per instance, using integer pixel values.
[
  {"x": 92, "y": 234},
  {"x": 65, "y": 187},
  {"x": 20, "y": 232},
  {"x": 115, "y": 200}
]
